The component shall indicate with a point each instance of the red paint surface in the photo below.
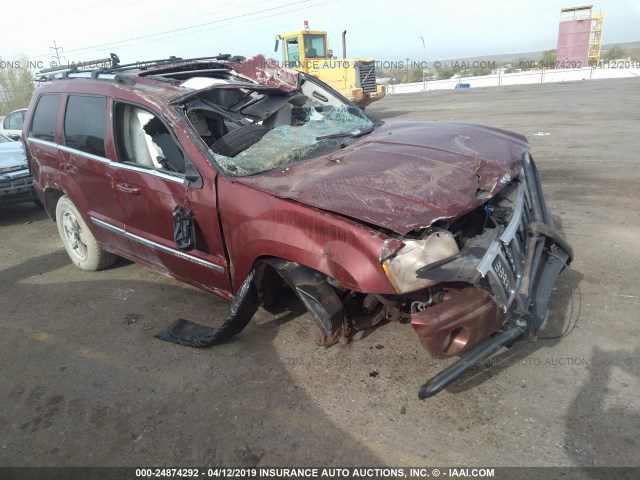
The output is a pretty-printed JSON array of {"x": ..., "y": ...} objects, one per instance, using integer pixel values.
[
  {"x": 404, "y": 175},
  {"x": 470, "y": 309}
]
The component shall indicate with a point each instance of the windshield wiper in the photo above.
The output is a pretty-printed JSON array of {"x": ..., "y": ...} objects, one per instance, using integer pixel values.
[{"x": 350, "y": 133}]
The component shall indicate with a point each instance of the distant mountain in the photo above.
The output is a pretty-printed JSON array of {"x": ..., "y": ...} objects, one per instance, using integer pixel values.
[{"x": 507, "y": 57}]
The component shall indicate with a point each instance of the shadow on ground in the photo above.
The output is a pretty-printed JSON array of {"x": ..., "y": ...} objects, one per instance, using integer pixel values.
[
  {"x": 18, "y": 213},
  {"x": 603, "y": 421}
]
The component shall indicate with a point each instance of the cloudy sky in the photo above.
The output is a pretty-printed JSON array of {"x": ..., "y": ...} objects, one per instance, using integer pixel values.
[{"x": 388, "y": 30}]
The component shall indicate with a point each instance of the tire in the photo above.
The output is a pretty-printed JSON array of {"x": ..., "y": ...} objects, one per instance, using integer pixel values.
[
  {"x": 80, "y": 244},
  {"x": 238, "y": 140}
]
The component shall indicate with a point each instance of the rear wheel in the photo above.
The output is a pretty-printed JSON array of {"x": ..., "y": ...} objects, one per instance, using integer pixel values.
[{"x": 79, "y": 242}]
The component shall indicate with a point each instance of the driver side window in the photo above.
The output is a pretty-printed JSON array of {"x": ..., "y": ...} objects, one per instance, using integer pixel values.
[{"x": 143, "y": 139}]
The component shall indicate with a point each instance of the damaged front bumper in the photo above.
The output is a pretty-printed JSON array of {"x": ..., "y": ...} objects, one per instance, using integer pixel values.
[{"x": 510, "y": 272}]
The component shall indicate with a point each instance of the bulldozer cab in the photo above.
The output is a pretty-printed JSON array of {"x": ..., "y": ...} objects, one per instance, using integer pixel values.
[
  {"x": 308, "y": 51},
  {"x": 298, "y": 48}
]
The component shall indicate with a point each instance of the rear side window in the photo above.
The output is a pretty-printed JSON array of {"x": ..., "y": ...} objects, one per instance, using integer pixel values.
[
  {"x": 84, "y": 125},
  {"x": 44, "y": 118}
]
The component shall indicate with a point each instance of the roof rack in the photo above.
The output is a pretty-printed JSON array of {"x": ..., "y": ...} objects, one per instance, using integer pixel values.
[
  {"x": 143, "y": 65},
  {"x": 113, "y": 61},
  {"x": 112, "y": 65}
]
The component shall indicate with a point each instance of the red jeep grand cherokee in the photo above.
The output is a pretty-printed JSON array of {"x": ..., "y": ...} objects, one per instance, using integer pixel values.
[{"x": 243, "y": 178}]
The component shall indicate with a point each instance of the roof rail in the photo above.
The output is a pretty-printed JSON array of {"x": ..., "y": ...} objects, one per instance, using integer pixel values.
[
  {"x": 112, "y": 65},
  {"x": 113, "y": 61},
  {"x": 146, "y": 64}
]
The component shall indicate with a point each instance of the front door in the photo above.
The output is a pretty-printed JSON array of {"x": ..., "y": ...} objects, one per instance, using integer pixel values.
[{"x": 149, "y": 183}]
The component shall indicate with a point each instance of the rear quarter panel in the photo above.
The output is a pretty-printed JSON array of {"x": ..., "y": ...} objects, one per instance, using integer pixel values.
[{"x": 42, "y": 158}]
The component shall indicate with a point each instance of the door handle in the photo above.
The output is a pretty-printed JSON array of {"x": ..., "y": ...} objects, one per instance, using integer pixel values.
[{"x": 128, "y": 188}]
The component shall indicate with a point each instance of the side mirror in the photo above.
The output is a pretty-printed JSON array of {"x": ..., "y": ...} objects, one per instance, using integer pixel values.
[
  {"x": 14, "y": 136},
  {"x": 184, "y": 228},
  {"x": 277, "y": 43}
]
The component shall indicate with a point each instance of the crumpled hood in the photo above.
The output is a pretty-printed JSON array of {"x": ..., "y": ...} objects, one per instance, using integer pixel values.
[
  {"x": 404, "y": 175},
  {"x": 11, "y": 155}
]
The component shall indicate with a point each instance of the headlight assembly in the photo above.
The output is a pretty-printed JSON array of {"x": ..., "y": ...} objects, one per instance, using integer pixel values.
[{"x": 400, "y": 266}]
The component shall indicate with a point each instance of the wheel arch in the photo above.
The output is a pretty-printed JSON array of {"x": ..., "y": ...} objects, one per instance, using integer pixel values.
[
  {"x": 51, "y": 197},
  {"x": 314, "y": 289}
]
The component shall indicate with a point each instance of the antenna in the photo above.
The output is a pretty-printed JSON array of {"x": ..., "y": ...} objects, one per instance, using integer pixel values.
[{"x": 56, "y": 55}]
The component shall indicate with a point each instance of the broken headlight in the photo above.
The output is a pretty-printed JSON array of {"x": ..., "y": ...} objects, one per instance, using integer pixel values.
[{"x": 400, "y": 265}]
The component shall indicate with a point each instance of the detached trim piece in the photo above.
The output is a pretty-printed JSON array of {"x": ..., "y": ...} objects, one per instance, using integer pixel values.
[
  {"x": 310, "y": 286},
  {"x": 157, "y": 246},
  {"x": 243, "y": 308}
]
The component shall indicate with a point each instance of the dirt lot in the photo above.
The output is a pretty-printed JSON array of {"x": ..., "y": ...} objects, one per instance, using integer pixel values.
[{"x": 84, "y": 382}]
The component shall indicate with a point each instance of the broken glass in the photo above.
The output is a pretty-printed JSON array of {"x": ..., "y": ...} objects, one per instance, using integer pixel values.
[{"x": 286, "y": 144}]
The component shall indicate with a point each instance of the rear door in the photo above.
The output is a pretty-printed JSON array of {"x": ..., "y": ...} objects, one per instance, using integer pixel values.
[
  {"x": 149, "y": 183},
  {"x": 66, "y": 143},
  {"x": 88, "y": 171}
]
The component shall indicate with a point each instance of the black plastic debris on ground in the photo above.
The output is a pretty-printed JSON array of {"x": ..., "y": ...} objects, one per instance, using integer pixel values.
[{"x": 243, "y": 307}]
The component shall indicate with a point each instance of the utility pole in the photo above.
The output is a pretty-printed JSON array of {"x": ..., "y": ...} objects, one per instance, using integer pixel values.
[
  {"x": 55, "y": 54},
  {"x": 424, "y": 57}
]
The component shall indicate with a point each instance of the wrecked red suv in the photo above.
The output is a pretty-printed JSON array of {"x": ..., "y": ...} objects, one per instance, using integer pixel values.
[{"x": 243, "y": 178}]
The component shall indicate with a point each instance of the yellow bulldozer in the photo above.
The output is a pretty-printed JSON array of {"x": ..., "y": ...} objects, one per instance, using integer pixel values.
[{"x": 308, "y": 51}]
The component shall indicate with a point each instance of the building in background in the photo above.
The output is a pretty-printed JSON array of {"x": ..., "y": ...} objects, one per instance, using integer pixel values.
[{"x": 579, "y": 37}]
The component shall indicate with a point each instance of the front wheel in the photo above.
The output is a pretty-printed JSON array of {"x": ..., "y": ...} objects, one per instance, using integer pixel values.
[{"x": 78, "y": 241}]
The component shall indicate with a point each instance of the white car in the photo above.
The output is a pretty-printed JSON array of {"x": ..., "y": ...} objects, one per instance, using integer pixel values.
[
  {"x": 12, "y": 124},
  {"x": 16, "y": 182}
]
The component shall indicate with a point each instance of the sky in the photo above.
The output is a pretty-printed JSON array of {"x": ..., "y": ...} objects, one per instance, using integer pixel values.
[{"x": 388, "y": 30}]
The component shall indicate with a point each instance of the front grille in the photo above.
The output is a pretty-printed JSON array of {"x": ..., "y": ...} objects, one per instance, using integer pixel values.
[
  {"x": 16, "y": 185},
  {"x": 366, "y": 74},
  {"x": 503, "y": 264}
]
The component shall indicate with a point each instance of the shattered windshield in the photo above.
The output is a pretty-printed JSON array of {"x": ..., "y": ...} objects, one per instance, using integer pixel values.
[{"x": 313, "y": 130}]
